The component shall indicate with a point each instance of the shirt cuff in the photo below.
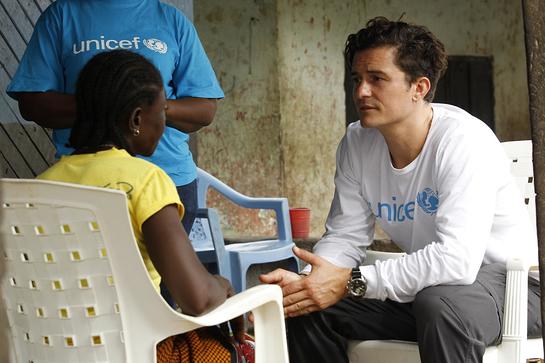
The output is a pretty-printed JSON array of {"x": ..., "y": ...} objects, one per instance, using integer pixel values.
[
  {"x": 370, "y": 274},
  {"x": 306, "y": 270}
]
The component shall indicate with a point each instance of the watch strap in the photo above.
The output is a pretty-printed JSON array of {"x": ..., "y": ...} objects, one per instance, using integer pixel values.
[{"x": 356, "y": 273}]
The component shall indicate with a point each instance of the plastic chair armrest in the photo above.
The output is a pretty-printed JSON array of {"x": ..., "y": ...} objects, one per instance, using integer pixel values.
[
  {"x": 239, "y": 304},
  {"x": 516, "y": 300},
  {"x": 279, "y": 205},
  {"x": 206, "y": 181},
  {"x": 265, "y": 302}
]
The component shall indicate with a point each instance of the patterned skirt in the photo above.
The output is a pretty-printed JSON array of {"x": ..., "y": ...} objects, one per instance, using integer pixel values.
[{"x": 205, "y": 345}]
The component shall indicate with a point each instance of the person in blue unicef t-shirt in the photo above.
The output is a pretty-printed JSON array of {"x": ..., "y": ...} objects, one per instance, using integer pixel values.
[{"x": 70, "y": 32}]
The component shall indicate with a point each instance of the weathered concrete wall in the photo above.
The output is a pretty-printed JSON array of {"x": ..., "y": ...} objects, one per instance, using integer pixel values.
[
  {"x": 280, "y": 63},
  {"x": 242, "y": 146},
  {"x": 311, "y": 70}
]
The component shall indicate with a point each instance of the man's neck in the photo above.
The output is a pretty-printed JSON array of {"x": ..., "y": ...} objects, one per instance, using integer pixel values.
[{"x": 406, "y": 139}]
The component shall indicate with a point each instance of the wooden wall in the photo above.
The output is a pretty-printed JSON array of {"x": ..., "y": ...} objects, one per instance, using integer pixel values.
[{"x": 26, "y": 149}]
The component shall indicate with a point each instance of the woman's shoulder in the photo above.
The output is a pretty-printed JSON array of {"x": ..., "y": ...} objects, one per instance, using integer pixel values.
[{"x": 139, "y": 167}]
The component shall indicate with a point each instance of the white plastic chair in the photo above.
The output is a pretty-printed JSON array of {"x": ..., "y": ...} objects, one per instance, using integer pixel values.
[
  {"x": 76, "y": 289},
  {"x": 241, "y": 256},
  {"x": 515, "y": 347}
]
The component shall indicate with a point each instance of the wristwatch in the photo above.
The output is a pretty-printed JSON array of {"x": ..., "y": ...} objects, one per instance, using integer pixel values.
[{"x": 357, "y": 285}]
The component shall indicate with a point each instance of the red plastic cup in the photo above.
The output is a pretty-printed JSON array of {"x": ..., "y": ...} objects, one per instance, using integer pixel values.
[{"x": 300, "y": 222}]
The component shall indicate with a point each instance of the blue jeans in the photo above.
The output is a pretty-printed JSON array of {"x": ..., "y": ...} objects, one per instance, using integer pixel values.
[{"x": 188, "y": 196}]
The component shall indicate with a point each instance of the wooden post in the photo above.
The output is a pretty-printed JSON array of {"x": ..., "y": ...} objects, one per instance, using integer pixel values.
[{"x": 534, "y": 30}]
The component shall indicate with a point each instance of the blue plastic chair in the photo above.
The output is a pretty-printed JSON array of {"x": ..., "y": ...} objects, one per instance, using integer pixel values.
[
  {"x": 207, "y": 240},
  {"x": 233, "y": 260}
]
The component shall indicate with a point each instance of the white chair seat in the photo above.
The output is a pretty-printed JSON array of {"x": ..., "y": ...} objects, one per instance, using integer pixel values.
[
  {"x": 383, "y": 351},
  {"x": 392, "y": 351}
]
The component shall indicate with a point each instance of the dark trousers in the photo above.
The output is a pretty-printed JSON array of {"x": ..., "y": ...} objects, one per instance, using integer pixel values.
[
  {"x": 450, "y": 323},
  {"x": 188, "y": 196}
]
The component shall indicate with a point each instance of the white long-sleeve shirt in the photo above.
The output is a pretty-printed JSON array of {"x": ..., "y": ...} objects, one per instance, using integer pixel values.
[{"x": 452, "y": 209}]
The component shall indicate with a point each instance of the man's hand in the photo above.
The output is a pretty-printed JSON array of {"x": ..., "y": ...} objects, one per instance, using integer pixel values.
[
  {"x": 280, "y": 277},
  {"x": 323, "y": 287}
]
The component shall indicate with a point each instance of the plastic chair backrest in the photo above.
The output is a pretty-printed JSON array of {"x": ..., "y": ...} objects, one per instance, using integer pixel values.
[
  {"x": 279, "y": 205},
  {"x": 59, "y": 292},
  {"x": 520, "y": 155},
  {"x": 63, "y": 245}
]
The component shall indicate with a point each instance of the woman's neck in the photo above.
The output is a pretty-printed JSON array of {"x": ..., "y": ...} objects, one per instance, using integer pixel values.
[{"x": 93, "y": 149}]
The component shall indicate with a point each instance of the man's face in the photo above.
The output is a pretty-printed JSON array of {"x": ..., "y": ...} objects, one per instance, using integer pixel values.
[{"x": 381, "y": 93}]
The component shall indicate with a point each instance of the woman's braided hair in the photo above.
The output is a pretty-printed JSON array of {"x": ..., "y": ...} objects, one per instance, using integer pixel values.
[{"x": 110, "y": 86}]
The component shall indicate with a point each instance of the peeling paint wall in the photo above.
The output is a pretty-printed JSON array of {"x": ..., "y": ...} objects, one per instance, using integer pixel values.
[
  {"x": 242, "y": 146},
  {"x": 311, "y": 36},
  {"x": 280, "y": 63}
]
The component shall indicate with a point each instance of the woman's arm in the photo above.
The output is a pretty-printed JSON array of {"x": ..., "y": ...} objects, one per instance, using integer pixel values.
[
  {"x": 194, "y": 289},
  {"x": 48, "y": 109},
  {"x": 190, "y": 114}
]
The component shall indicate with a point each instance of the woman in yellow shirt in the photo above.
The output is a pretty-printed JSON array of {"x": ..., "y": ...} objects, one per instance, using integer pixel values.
[{"x": 120, "y": 113}]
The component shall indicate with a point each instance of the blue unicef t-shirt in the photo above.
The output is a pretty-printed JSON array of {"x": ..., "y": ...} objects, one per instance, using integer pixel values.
[{"x": 70, "y": 32}]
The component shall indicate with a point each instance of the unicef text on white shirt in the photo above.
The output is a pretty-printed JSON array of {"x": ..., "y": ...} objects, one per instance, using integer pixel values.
[{"x": 394, "y": 212}]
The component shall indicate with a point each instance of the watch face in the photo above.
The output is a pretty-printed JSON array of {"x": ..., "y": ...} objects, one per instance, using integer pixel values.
[{"x": 357, "y": 287}]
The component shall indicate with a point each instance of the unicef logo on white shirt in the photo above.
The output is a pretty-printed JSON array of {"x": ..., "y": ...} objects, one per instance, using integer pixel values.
[
  {"x": 156, "y": 45},
  {"x": 428, "y": 201}
]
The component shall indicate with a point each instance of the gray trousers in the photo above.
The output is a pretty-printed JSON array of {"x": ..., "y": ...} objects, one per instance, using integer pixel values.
[{"x": 450, "y": 323}]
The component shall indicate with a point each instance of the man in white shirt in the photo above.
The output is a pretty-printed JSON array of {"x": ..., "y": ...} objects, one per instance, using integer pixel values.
[{"x": 437, "y": 181}]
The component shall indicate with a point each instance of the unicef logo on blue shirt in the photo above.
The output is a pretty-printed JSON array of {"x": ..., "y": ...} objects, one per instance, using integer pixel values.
[
  {"x": 428, "y": 201},
  {"x": 156, "y": 45}
]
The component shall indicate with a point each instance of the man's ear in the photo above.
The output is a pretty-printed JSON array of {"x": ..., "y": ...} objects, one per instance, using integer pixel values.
[
  {"x": 135, "y": 121},
  {"x": 421, "y": 89}
]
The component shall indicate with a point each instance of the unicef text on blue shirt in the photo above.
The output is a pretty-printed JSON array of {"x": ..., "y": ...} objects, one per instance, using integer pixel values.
[{"x": 111, "y": 44}]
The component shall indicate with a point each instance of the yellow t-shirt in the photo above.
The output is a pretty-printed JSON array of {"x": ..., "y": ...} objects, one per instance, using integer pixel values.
[{"x": 148, "y": 187}]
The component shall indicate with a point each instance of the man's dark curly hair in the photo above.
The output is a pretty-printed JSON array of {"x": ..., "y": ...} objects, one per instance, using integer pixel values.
[
  {"x": 419, "y": 52},
  {"x": 110, "y": 86}
]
